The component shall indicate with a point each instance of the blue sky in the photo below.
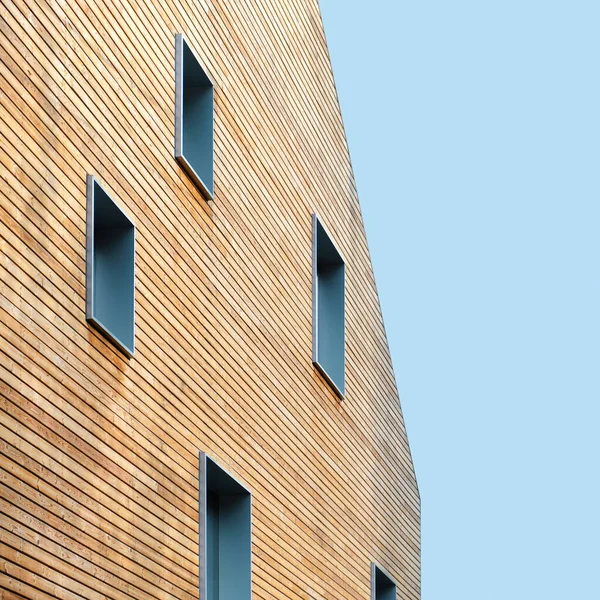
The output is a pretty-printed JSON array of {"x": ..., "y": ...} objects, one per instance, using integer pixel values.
[{"x": 474, "y": 130}]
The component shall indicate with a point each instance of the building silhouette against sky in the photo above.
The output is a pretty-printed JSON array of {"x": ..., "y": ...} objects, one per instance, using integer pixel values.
[{"x": 197, "y": 394}]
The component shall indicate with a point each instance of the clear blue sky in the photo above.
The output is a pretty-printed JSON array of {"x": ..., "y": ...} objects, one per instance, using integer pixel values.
[{"x": 474, "y": 130}]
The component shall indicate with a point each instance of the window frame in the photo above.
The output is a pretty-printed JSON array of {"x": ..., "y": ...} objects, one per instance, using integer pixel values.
[
  {"x": 205, "y": 187},
  {"x": 204, "y": 459},
  {"x": 91, "y": 316},
  {"x": 377, "y": 567},
  {"x": 339, "y": 390}
]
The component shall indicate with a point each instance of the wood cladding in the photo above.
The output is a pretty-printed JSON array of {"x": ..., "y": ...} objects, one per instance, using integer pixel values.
[{"x": 98, "y": 453}]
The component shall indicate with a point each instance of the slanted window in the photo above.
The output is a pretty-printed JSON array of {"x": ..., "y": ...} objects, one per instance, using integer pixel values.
[
  {"x": 225, "y": 534},
  {"x": 110, "y": 266},
  {"x": 328, "y": 308},
  {"x": 193, "y": 117},
  {"x": 383, "y": 587}
]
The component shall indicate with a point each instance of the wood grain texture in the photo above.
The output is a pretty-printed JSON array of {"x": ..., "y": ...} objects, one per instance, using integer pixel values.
[{"x": 99, "y": 454}]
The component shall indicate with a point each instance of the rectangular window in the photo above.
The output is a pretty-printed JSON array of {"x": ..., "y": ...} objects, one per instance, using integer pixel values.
[
  {"x": 383, "y": 587},
  {"x": 328, "y": 308},
  {"x": 194, "y": 99},
  {"x": 110, "y": 268},
  {"x": 225, "y": 534}
]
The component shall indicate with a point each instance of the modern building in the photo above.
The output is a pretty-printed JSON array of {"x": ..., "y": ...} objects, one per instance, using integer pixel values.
[{"x": 197, "y": 394}]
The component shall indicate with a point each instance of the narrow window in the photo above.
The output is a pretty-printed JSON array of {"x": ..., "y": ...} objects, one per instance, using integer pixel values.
[
  {"x": 328, "y": 308},
  {"x": 110, "y": 268},
  {"x": 225, "y": 534},
  {"x": 383, "y": 586},
  {"x": 193, "y": 117}
]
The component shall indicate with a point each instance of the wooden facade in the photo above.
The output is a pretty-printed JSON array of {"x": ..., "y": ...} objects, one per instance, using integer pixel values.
[{"x": 99, "y": 453}]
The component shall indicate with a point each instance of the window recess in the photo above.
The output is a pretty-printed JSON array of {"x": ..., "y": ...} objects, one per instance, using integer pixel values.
[
  {"x": 194, "y": 121},
  {"x": 225, "y": 534},
  {"x": 328, "y": 308},
  {"x": 110, "y": 268},
  {"x": 383, "y": 587}
]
